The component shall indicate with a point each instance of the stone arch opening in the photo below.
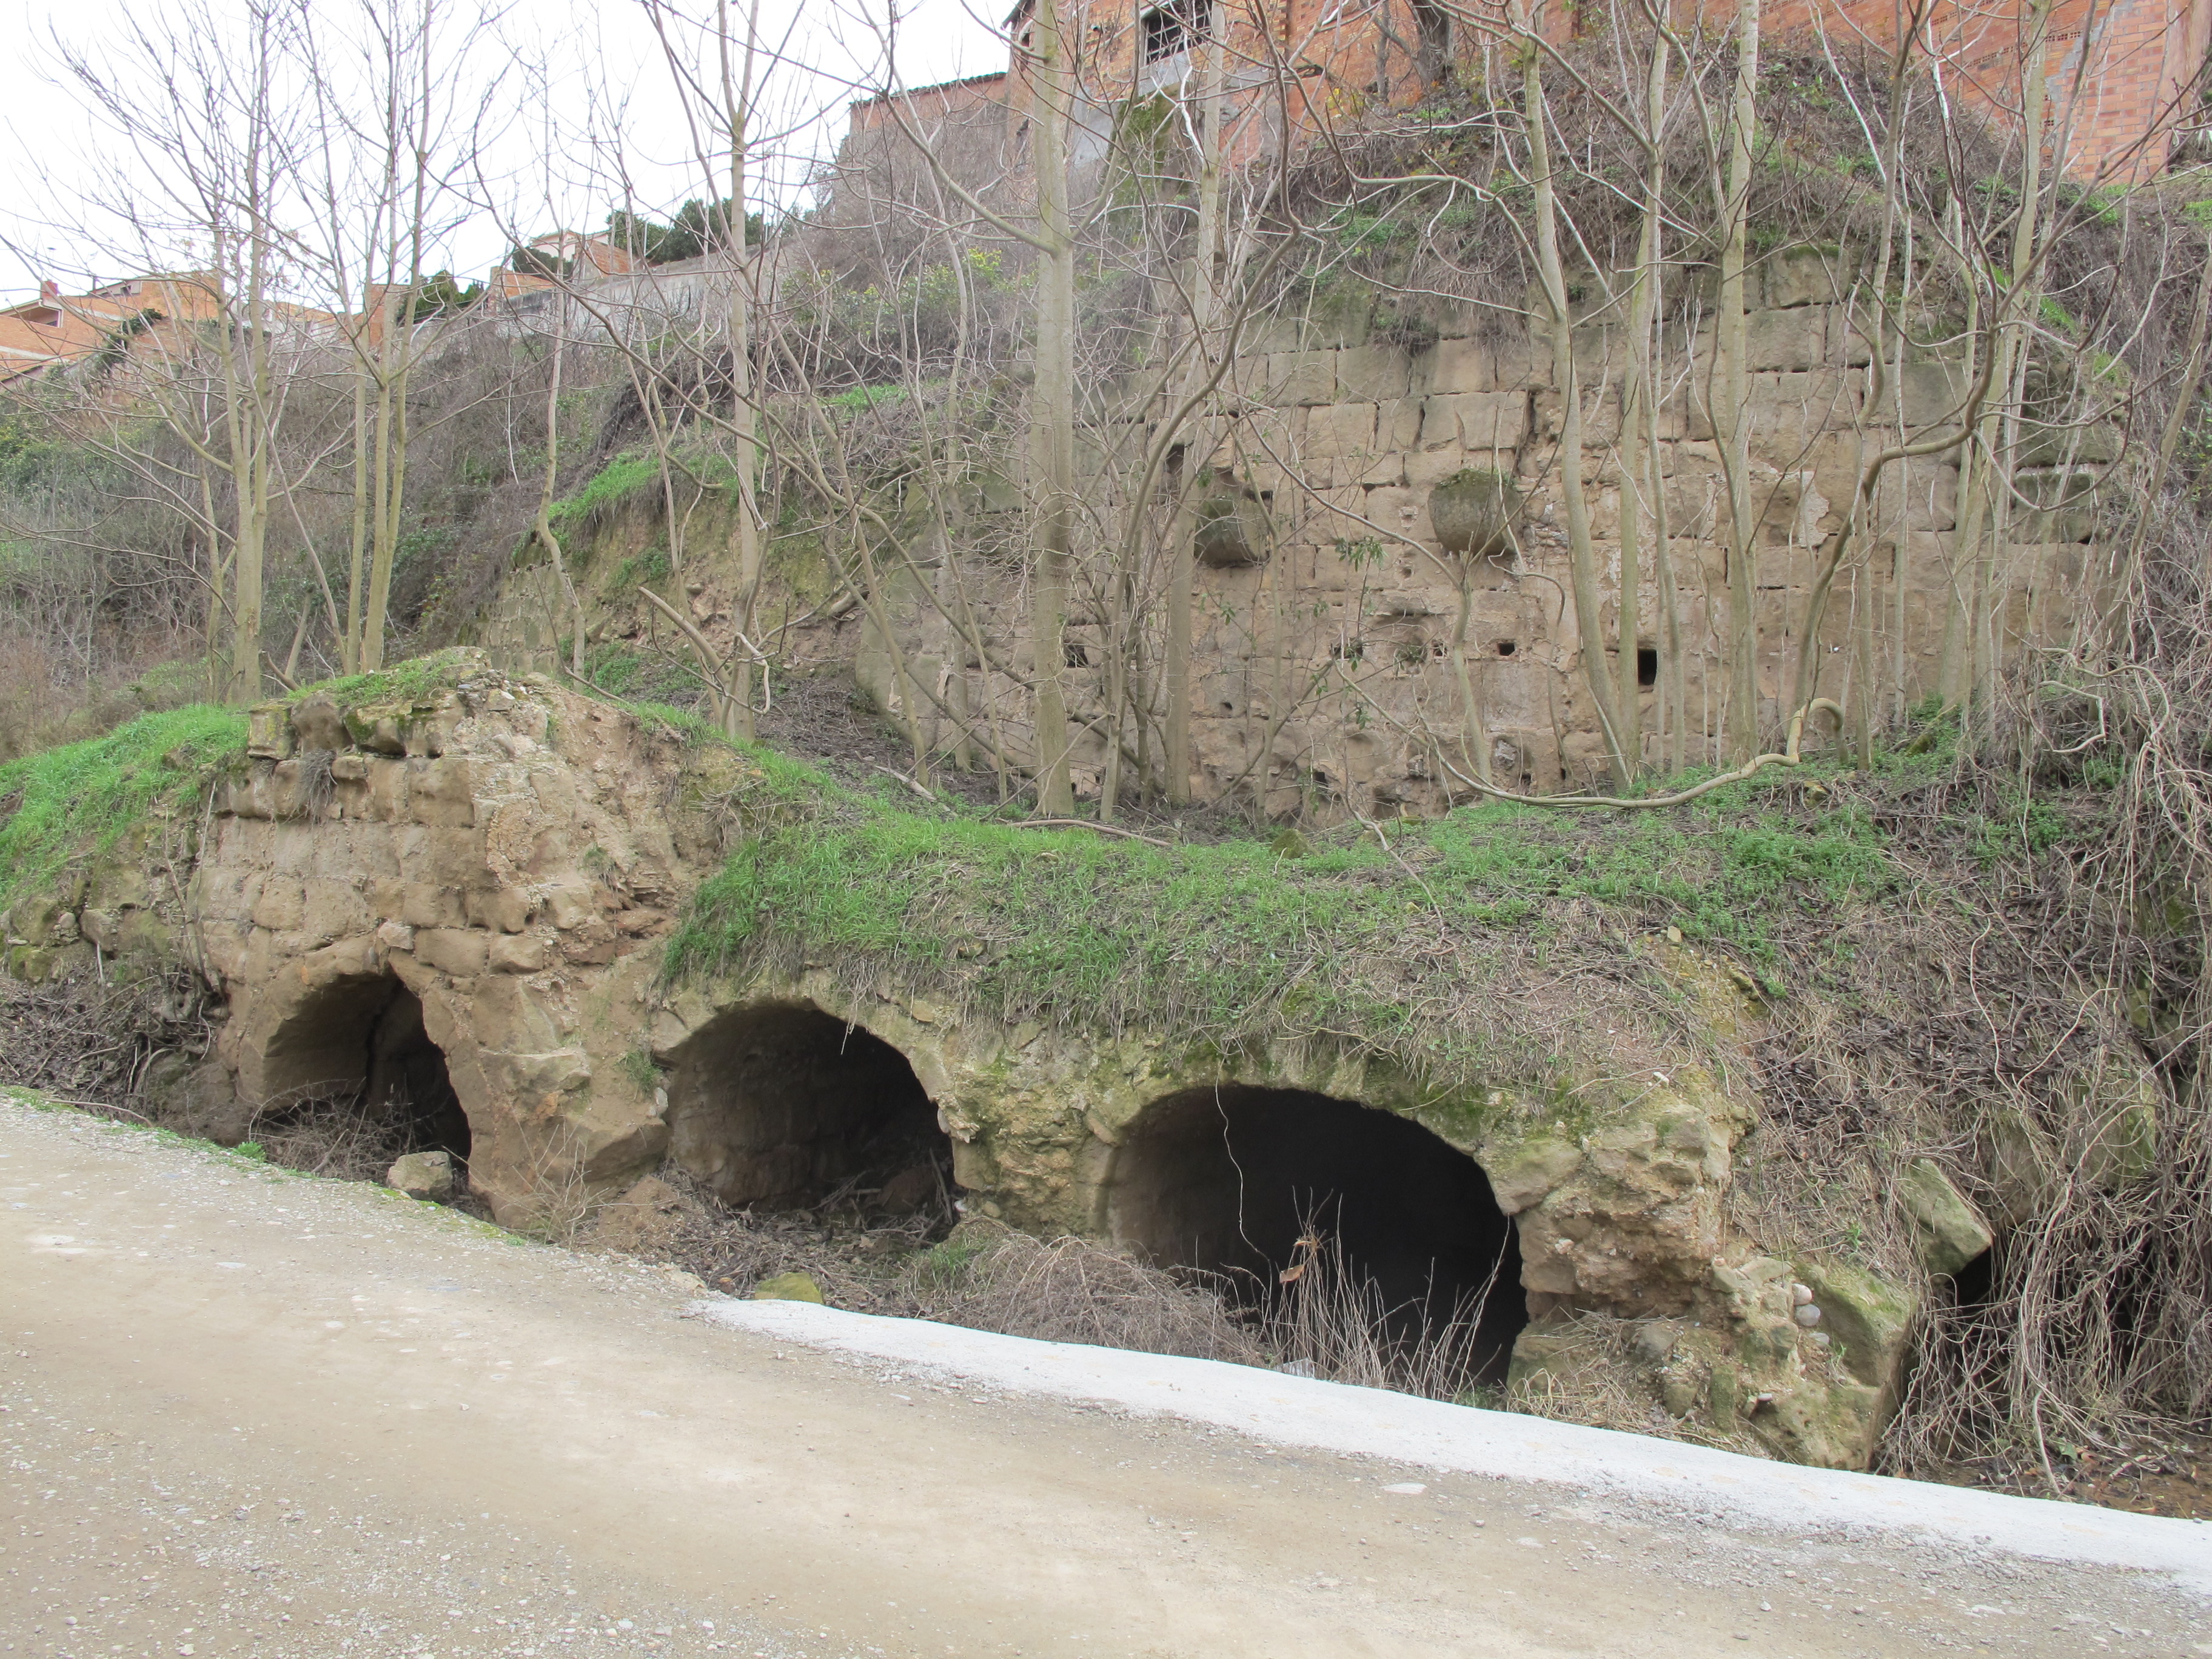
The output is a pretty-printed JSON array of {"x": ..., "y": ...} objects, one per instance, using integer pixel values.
[
  {"x": 1225, "y": 1179},
  {"x": 780, "y": 1106},
  {"x": 359, "y": 1043}
]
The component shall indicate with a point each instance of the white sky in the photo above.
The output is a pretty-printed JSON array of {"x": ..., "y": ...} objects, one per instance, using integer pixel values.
[{"x": 48, "y": 129}]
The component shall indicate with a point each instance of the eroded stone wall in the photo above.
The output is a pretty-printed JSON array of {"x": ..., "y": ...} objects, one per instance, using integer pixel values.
[
  {"x": 515, "y": 857},
  {"x": 511, "y": 855},
  {"x": 1323, "y": 655}
]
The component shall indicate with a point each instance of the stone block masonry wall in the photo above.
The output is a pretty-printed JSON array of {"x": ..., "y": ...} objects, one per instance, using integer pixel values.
[
  {"x": 1323, "y": 664},
  {"x": 509, "y": 854},
  {"x": 1322, "y": 654},
  {"x": 504, "y": 861}
]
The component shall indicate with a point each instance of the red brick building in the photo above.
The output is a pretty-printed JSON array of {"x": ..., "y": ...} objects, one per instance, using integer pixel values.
[{"x": 2124, "y": 76}]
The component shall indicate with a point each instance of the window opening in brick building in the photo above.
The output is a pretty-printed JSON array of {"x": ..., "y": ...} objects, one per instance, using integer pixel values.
[{"x": 1168, "y": 29}]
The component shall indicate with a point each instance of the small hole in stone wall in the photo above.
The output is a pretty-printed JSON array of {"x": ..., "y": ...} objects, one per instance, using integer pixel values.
[
  {"x": 1226, "y": 1180},
  {"x": 1170, "y": 479},
  {"x": 1964, "y": 1334},
  {"x": 1506, "y": 647},
  {"x": 780, "y": 1106},
  {"x": 1647, "y": 665}
]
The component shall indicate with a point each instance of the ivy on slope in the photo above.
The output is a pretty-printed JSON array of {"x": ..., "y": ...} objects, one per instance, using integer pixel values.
[
  {"x": 1468, "y": 948},
  {"x": 70, "y": 803}
]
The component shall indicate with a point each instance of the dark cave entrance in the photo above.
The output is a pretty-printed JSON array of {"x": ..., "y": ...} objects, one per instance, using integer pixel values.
[
  {"x": 781, "y": 1107},
  {"x": 357, "y": 1051},
  {"x": 1225, "y": 1179}
]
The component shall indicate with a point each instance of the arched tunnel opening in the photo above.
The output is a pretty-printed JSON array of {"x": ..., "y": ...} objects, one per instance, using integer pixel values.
[
  {"x": 1230, "y": 1180},
  {"x": 781, "y": 1107},
  {"x": 352, "y": 1081}
]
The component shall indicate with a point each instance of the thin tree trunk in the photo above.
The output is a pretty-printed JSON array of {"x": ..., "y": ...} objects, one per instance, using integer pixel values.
[
  {"x": 350, "y": 646},
  {"x": 1639, "y": 426},
  {"x": 1582, "y": 558},
  {"x": 1734, "y": 397},
  {"x": 1205, "y": 276},
  {"x": 1478, "y": 729},
  {"x": 383, "y": 509},
  {"x": 541, "y": 526},
  {"x": 1052, "y": 415},
  {"x": 736, "y": 95},
  {"x": 2001, "y": 422}
]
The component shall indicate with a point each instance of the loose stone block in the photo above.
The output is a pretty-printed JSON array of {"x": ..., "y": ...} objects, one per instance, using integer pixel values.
[
  {"x": 427, "y": 1176},
  {"x": 1950, "y": 1230},
  {"x": 459, "y": 951},
  {"x": 788, "y": 1287}
]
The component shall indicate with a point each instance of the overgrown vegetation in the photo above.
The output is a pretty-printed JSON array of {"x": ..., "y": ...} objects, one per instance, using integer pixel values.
[
  {"x": 68, "y": 803},
  {"x": 1986, "y": 945},
  {"x": 1408, "y": 943}
]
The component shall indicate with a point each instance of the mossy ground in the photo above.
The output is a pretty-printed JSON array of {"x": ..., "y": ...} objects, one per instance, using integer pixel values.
[{"x": 418, "y": 679}]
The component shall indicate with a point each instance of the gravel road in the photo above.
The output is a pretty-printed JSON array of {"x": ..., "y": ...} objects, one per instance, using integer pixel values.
[{"x": 247, "y": 1412}]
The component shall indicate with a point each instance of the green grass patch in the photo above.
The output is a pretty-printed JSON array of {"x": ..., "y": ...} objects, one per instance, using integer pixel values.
[
  {"x": 72, "y": 803},
  {"x": 623, "y": 672},
  {"x": 1389, "y": 953},
  {"x": 641, "y": 570},
  {"x": 418, "y": 680},
  {"x": 859, "y": 399},
  {"x": 620, "y": 478}
]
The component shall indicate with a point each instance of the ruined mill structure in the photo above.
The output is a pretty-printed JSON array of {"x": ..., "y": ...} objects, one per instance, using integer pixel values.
[
  {"x": 454, "y": 893},
  {"x": 455, "y": 903}
]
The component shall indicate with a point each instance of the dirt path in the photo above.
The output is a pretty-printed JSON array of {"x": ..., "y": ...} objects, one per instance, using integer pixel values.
[{"x": 248, "y": 1413}]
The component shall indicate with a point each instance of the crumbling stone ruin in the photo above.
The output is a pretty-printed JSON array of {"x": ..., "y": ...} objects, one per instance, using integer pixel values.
[{"x": 460, "y": 898}]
